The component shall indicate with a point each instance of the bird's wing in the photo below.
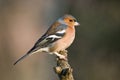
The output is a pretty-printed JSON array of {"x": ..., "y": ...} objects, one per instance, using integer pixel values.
[{"x": 53, "y": 34}]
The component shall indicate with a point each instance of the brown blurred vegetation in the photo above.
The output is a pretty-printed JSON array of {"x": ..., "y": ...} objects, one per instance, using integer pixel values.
[{"x": 94, "y": 55}]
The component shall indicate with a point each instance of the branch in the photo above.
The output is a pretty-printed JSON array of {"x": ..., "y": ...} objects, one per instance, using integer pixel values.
[{"x": 63, "y": 69}]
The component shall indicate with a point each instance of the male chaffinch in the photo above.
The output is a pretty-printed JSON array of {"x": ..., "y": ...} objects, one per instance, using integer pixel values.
[{"x": 57, "y": 38}]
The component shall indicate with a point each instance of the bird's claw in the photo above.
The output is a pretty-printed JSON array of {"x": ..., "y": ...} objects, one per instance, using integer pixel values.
[{"x": 60, "y": 56}]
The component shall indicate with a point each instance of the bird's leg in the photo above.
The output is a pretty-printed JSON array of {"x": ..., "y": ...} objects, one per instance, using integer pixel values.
[{"x": 60, "y": 56}]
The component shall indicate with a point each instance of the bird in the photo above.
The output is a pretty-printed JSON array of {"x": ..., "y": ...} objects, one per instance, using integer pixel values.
[{"x": 59, "y": 36}]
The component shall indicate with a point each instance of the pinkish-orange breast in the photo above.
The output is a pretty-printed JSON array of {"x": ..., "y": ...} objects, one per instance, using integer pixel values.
[{"x": 65, "y": 42}]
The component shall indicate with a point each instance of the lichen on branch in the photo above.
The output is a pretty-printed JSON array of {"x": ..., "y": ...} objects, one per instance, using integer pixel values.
[{"x": 63, "y": 69}]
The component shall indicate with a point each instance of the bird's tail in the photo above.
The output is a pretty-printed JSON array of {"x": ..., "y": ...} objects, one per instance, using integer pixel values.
[
  {"x": 32, "y": 51},
  {"x": 21, "y": 58}
]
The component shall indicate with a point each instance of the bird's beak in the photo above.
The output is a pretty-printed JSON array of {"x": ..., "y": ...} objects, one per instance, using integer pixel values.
[{"x": 77, "y": 24}]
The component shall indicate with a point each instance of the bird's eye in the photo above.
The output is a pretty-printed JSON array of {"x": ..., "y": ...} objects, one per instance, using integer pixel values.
[{"x": 71, "y": 20}]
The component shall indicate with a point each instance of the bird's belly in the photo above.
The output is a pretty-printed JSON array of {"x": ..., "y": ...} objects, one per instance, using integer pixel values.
[{"x": 63, "y": 43}]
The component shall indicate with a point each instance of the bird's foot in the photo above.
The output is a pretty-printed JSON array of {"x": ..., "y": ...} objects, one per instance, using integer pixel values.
[{"x": 60, "y": 56}]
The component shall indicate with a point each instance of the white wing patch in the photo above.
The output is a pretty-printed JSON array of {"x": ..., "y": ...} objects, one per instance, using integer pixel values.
[
  {"x": 46, "y": 49},
  {"x": 61, "y": 32},
  {"x": 54, "y": 36}
]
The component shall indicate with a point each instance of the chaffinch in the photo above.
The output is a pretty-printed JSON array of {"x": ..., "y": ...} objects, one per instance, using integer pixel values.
[{"x": 57, "y": 38}]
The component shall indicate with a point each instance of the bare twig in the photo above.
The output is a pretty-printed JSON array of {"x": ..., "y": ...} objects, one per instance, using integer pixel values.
[{"x": 63, "y": 69}]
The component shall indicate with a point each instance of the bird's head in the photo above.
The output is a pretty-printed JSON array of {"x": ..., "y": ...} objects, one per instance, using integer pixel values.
[{"x": 68, "y": 20}]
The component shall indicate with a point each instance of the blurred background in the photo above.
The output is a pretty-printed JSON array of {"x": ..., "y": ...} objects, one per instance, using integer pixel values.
[{"x": 94, "y": 55}]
